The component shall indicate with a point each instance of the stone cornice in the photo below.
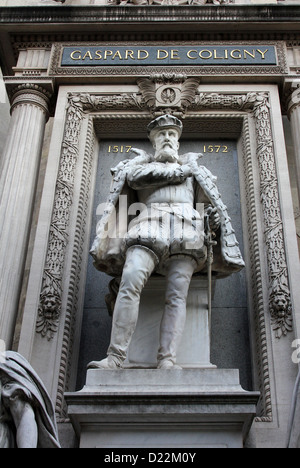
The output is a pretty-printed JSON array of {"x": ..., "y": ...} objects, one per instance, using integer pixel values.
[
  {"x": 57, "y": 23},
  {"x": 49, "y": 16}
]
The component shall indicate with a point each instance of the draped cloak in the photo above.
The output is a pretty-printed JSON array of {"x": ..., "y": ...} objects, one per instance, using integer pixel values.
[
  {"x": 106, "y": 249},
  {"x": 18, "y": 379}
]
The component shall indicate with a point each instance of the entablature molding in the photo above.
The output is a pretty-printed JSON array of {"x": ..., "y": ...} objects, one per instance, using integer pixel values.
[{"x": 49, "y": 24}]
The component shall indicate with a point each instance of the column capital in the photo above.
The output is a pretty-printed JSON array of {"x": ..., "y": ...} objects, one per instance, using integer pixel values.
[{"x": 35, "y": 92}]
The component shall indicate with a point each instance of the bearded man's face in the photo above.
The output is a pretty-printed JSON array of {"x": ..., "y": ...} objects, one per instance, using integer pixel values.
[{"x": 166, "y": 145}]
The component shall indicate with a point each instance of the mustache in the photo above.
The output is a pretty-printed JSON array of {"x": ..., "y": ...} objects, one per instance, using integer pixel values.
[{"x": 169, "y": 146}]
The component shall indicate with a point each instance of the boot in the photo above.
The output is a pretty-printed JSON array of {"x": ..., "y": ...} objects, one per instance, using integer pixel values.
[{"x": 111, "y": 362}]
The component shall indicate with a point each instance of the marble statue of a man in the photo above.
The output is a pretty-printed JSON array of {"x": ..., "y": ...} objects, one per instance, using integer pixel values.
[{"x": 166, "y": 237}]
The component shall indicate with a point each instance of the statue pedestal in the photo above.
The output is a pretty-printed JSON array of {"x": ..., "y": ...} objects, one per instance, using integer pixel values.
[
  {"x": 194, "y": 349},
  {"x": 151, "y": 408},
  {"x": 144, "y": 407}
]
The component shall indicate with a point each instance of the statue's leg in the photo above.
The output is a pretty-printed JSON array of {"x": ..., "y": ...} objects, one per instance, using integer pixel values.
[
  {"x": 140, "y": 263},
  {"x": 179, "y": 276}
]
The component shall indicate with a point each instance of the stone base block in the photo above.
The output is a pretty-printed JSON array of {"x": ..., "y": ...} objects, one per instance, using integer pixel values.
[{"x": 162, "y": 408}]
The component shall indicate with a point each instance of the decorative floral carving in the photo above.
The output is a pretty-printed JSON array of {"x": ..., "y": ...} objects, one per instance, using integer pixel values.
[
  {"x": 50, "y": 297},
  {"x": 73, "y": 294},
  {"x": 220, "y": 101},
  {"x": 279, "y": 298},
  {"x": 90, "y": 102}
]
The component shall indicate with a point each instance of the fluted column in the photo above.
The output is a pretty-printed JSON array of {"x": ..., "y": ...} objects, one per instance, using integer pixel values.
[
  {"x": 18, "y": 180},
  {"x": 294, "y": 116}
]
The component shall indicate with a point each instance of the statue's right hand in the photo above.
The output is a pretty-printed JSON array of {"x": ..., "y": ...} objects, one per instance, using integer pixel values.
[
  {"x": 193, "y": 158},
  {"x": 187, "y": 170},
  {"x": 138, "y": 152}
]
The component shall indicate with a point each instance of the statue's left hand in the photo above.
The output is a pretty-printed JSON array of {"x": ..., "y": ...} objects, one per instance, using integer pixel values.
[
  {"x": 192, "y": 160},
  {"x": 214, "y": 218}
]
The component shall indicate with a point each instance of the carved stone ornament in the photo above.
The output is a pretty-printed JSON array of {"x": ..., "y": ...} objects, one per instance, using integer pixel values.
[
  {"x": 30, "y": 93},
  {"x": 279, "y": 291},
  {"x": 50, "y": 297},
  {"x": 168, "y": 92}
]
